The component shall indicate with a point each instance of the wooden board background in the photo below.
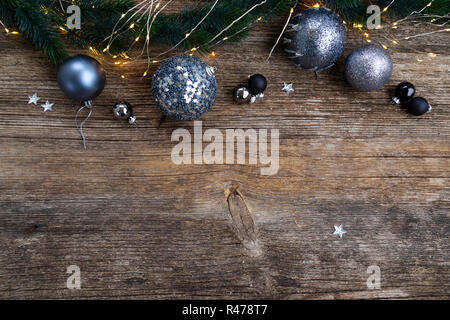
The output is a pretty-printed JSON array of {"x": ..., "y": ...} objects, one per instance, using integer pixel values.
[{"x": 139, "y": 226}]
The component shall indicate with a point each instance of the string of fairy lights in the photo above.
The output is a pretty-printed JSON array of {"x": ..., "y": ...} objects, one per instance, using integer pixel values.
[{"x": 150, "y": 9}]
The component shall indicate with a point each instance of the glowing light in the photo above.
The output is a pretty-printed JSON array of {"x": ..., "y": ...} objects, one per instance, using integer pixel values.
[
  {"x": 187, "y": 35},
  {"x": 225, "y": 39},
  {"x": 259, "y": 19},
  {"x": 384, "y": 47},
  {"x": 122, "y": 76},
  {"x": 432, "y": 55},
  {"x": 317, "y": 5},
  {"x": 132, "y": 25},
  {"x": 213, "y": 54},
  {"x": 137, "y": 39},
  {"x": 394, "y": 41},
  {"x": 145, "y": 73}
]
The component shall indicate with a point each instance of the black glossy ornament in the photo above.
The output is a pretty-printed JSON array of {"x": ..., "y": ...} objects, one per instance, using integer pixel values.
[
  {"x": 404, "y": 92},
  {"x": 418, "y": 106},
  {"x": 257, "y": 83}
]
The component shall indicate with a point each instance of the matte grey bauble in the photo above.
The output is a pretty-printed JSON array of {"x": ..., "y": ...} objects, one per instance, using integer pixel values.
[
  {"x": 81, "y": 78},
  {"x": 368, "y": 68},
  {"x": 315, "y": 39},
  {"x": 184, "y": 87}
]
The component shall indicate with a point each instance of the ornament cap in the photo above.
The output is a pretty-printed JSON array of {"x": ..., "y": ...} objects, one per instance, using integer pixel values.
[
  {"x": 395, "y": 100},
  {"x": 132, "y": 119}
]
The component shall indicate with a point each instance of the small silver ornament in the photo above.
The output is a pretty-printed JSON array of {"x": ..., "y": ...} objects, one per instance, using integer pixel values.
[
  {"x": 315, "y": 39},
  {"x": 368, "y": 68},
  {"x": 124, "y": 111},
  {"x": 241, "y": 94}
]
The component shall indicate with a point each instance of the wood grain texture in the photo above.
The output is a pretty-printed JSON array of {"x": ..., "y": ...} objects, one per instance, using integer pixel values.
[{"x": 140, "y": 226}]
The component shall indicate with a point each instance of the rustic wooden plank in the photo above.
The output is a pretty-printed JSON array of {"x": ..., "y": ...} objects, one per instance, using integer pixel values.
[{"x": 141, "y": 227}]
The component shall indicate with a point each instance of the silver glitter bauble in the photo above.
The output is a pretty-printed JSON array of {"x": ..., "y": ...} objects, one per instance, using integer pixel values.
[
  {"x": 184, "y": 87},
  {"x": 315, "y": 39},
  {"x": 368, "y": 68},
  {"x": 241, "y": 94}
]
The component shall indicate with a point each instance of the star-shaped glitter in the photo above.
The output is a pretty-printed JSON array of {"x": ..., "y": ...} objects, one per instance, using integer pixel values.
[
  {"x": 33, "y": 99},
  {"x": 287, "y": 87},
  {"x": 47, "y": 106},
  {"x": 339, "y": 230}
]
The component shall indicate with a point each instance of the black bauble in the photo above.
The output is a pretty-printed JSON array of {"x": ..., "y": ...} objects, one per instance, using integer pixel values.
[
  {"x": 257, "y": 83},
  {"x": 404, "y": 92},
  {"x": 418, "y": 106}
]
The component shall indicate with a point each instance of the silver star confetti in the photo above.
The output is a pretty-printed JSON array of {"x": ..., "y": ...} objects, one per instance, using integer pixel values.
[
  {"x": 47, "y": 106},
  {"x": 33, "y": 99},
  {"x": 287, "y": 87},
  {"x": 339, "y": 230}
]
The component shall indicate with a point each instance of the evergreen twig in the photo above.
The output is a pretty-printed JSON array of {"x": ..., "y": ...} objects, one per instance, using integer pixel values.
[{"x": 41, "y": 21}]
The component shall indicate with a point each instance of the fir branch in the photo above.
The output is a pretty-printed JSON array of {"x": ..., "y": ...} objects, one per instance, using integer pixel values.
[{"x": 40, "y": 21}]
